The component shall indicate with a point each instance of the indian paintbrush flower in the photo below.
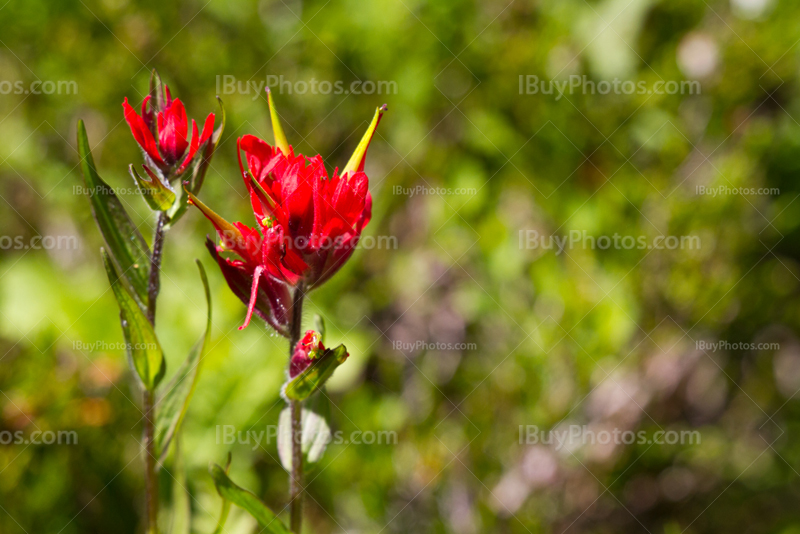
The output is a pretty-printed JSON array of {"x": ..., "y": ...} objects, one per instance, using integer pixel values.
[
  {"x": 308, "y": 223},
  {"x": 162, "y": 132}
]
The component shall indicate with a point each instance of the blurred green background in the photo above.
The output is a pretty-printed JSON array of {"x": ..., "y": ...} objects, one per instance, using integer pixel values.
[{"x": 610, "y": 338}]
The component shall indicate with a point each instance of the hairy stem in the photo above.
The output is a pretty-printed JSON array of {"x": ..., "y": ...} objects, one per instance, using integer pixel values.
[
  {"x": 154, "y": 283},
  {"x": 151, "y": 480},
  {"x": 296, "y": 476}
]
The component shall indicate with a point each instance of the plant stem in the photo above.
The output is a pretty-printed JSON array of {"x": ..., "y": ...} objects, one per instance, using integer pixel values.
[
  {"x": 296, "y": 476},
  {"x": 154, "y": 283},
  {"x": 151, "y": 480}
]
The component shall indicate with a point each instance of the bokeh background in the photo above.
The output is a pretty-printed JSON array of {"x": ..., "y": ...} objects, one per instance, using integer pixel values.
[{"x": 610, "y": 339}]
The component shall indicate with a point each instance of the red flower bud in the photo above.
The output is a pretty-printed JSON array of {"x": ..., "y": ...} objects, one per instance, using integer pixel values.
[
  {"x": 171, "y": 153},
  {"x": 307, "y": 350}
]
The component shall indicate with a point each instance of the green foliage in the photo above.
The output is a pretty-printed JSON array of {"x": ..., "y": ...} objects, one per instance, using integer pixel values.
[
  {"x": 315, "y": 375},
  {"x": 549, "y": 338},
  {"x": 141, "y": 342},
  {"x": 242, "y": 498},
  {"x": 126, "y": 246}
]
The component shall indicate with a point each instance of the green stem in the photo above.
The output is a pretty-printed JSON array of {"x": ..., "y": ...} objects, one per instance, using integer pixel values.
[
  {"x": 154, "y": 282},
  {"x": 151, "y": 481},
  {"x": 150, "y": 476},
  {"x": 296, "y": 476}
]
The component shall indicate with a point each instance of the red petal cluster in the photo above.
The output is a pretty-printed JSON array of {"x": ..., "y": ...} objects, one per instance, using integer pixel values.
[
  {"x": 308, "y": 223},
  {"x": 162, "y": 134},
  {"x": 322, "y": 216}
]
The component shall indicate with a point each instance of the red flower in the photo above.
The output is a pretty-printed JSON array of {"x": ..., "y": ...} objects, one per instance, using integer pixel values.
[
  {"x": 259, "y": 278},
  {"x": 322, "y": 216},
  {"x": 169, "y": 126},
  {"x": 308, "y": 223},
  {"x": 307, "y": 350}
]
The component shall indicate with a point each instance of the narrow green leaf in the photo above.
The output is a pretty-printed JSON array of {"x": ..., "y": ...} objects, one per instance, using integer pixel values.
[
  {"x": 226, "y": 504},
  {"x": 126, "y": 246},
  {"x": 303, "y": 385},
  {"x": 181, "y": 504},
  {"x": 144, "y": 350},
  {"x": 157, "y": 195},
  {"x": 172, "y": 407},
  {"x": 244, "y": 499}
]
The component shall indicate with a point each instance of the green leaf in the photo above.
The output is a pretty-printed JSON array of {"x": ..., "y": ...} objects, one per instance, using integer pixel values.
[
  {"x": 157, "y": 195},
  {"x": 172, "y": 407},
  {"x": 144, "y": 350},
  {"x": 126, "y": 246},
  {"x": 244, "y": 499},
  {"x": 226, "y": 504},
  {"x": 181, "y": 505},
  {"x": 303, "y": 385},
  {"x": 315, "y": 438}
]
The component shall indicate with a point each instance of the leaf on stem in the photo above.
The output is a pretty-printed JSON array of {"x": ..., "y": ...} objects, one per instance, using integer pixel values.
[
  {"x": 157, "y": 194},
  {"x": 126, "y": 246},
  {"x": 248, "y": 501},
  {"x": 226, "y": 504},
  {"x": 144, "y": 350},
  {"x": 315, "y": 375},
  {"x": 181, "y": 500}
]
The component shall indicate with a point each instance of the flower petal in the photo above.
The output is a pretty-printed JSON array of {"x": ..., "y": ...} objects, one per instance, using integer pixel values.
[
  {"x": 277, "y": 131},
  {"x": 356, "y": 162},
  {"x": 273, "y": 297},
  {"x": 192, "y": 149},
  {"x": 172, "y": 130},
  {"x": 141, "y": 133}
]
